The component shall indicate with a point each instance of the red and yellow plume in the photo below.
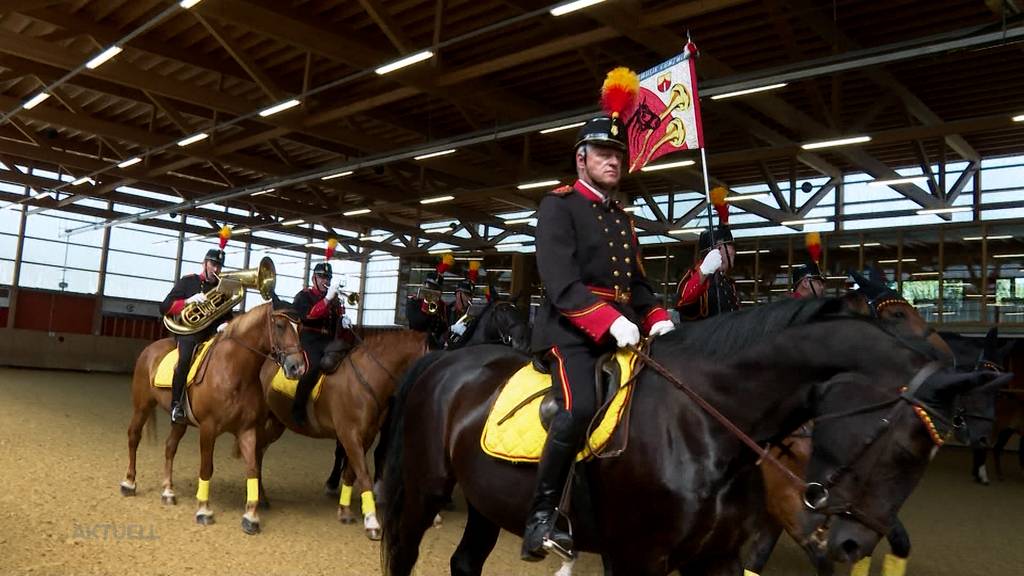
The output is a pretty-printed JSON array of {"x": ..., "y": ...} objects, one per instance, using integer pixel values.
[
  {"x": 446, "y": 262},
  {"x": 813, "y": 242},
  {"x": 718, "y": 194},
  {"x": 474, "y": 271},
  {"x": 332, "y": 243},
  {"x": 224, "y": 234},
  {"x": 618, "y": 93}
]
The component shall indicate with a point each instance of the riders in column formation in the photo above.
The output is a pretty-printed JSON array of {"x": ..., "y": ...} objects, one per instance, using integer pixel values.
[
  {"x": 807, "y": 279},
  {"x": 707, "y": 289},
  {"x": 596, "y": 299},
  {"x": 323, "y": 321},
  {"x": 426, "y": 310},
  {"x": 188, "y": 290}
]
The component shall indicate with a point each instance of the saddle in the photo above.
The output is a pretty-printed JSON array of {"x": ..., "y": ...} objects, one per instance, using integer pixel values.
[
  {"x": 333, "y": 355},
  {"x": 517, "y": 423},
  {"x": 283, "y": 385},
  {"x": 165, "y": 369}
]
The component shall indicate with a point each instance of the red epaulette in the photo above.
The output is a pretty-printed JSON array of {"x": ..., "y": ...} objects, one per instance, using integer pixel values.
[{"x": 562, "y": 190}]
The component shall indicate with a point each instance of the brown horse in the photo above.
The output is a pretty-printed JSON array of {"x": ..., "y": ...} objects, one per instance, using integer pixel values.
[
  {"x": 225, "y": 398},
  {"x": 351, "y": 408},
  {"x": 784, "y": 503}
]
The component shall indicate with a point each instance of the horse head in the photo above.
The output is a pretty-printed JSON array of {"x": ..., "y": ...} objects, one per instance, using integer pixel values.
[
  {"x": 976, "y": 410},
  {"x": 871, "y": 446},
  {"x": 283, "y": 333},
  {"x": 510, "y": 326}
]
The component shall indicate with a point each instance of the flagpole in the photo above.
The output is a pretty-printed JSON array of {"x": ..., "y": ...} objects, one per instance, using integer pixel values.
[{"x": 711, "y": 226}]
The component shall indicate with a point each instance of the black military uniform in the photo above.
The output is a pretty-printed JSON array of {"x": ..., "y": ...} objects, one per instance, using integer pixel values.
[
  {"x": 696, "y": 299},
  {"x": 421, "y": 319},
  {"x": 590, "y": 265},
  {"x": 807, "y": 269},
  {"x": 173, "y": 304},
  {"x": 321, "y": 324}
]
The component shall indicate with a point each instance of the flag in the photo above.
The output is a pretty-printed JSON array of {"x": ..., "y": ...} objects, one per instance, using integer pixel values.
[{"x": 666, "y": 118}]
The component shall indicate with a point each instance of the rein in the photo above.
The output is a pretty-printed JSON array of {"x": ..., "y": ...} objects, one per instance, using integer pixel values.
[{"x": 277, "y": 353}]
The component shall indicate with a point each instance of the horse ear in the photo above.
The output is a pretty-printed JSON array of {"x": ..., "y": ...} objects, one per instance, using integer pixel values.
[
  {"x": 991, "y": 343},
  {"x": 945, "y": 386}
]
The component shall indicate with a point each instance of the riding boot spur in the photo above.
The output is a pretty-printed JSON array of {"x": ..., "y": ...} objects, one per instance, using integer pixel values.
[{"x": 552, "y": 473}]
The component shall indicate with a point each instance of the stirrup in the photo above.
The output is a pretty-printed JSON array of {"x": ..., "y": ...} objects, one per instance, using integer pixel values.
[{"x": 550, "y": 545}]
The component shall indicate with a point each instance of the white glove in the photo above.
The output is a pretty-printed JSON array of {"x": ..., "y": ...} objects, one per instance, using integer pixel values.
[
  {"x": 661, "y": 327},
  {"x": 222, "y": 327},
  {"x": 458, "y": 328},
  {"x": 197, "y": 297},
  {"x": 625, "y": 332},
  {"x": 346, "y": 322},
  {"x": 712, "y": 262},
  {"x": 332, "y": 292}
]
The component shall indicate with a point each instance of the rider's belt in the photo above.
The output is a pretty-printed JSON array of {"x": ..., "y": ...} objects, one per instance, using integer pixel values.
[{"x": 611, "y": 294}]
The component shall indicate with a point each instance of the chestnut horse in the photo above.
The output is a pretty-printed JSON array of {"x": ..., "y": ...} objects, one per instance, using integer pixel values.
[
  {"x": 225, "y": 398},
  {"x": 351, "y": 408}
]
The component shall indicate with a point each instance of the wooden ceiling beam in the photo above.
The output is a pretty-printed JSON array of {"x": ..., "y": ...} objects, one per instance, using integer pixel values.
[
  {"x": 269, "y": 87},
  {"x": 388, "y": 25}
]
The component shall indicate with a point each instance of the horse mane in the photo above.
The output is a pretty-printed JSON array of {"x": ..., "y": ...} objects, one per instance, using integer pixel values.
[
  {"x": 728, "y": 334},
  {"x": 242, "y": 324}
]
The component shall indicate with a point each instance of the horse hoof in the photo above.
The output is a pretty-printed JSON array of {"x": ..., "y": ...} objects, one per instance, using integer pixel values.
[
  {"x": 373, "y": 534},
  {"x": 437, "y": 521},
  {"x": 250, "y": 527},
  {"x": 127, "y": 490},
  {"x": 346, "y": 518},
  {"x": 204, "y": 519},
  {"x": 169, "y": 500}
]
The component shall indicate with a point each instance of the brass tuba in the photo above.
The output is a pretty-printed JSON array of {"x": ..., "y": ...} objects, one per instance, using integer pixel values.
[{"x": 230, "y": 290}]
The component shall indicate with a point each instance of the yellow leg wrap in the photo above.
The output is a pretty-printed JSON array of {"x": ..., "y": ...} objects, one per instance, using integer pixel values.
[
  {"x": 203, "y": 491},
  {"x": 894, "y": 566},
  {"x": 749, "y": 573},
  {"x": 862, "y": 567},
  {"x": 369, "y": 506},
  {"x": 346, "y": 495},
  {"x": 252, "y": 489}
]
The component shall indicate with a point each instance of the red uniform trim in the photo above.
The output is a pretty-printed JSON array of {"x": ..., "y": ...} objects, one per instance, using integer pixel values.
[
  {"x": 587, "y": 191},
  {"x": 691, "y": 288},
  {"x": 595, "y": 320},
  {"x": 566, "y": 389},
  {"x": 657, "y": 314},
  {"x": 177, "y": 307},
  {"x": 318, "y": 310}
]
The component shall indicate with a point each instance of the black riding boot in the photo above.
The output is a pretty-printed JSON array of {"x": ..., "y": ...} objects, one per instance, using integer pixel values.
[
  {"x": 177, "y": 396},
  {"x": 552, "y": 474},
  {"x": 302, "y": 392}
]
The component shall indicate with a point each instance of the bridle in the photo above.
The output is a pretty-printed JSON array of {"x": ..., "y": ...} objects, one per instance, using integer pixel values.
[
  {"x": 961, "y": 414},
  {"x": 277, "y": 352}
]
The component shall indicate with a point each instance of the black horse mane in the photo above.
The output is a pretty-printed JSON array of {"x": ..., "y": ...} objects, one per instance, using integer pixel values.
[
  {"x": 728, "y": 334},
  {"x": 491, "y": 307}
]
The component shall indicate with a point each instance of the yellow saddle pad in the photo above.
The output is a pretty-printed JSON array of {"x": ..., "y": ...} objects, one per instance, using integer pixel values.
[
  {"x": 287, "y": 387},
  {"x": 165, "y": 370},
  {"x": 516, "y": 434}
]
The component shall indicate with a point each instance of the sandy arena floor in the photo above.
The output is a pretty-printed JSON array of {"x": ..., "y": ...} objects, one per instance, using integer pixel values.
[{"x": 63, "y": 450}]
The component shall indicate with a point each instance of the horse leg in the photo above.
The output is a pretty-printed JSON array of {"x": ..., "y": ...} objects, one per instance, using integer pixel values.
[
  {"x": 272, "y": 431},
  {"x": 895, "y": 563},
  {"x": 139, "y": 417},
  {"x": 978, "y": 470},
  {"x": 331, "y": 485},
  {"x": 348, "y": 479},
  {"x": 478, "y": 539},
  {"x": 207, "y": 439},
  {"x": 247, "y": 444},
  {"x": 997, "y": 450},
  {"x": 764, "y": 543},
  {"x": 170, "y": 449},
  {"x": 419, "y": 510},
  {"x": 356, "y": 449}
]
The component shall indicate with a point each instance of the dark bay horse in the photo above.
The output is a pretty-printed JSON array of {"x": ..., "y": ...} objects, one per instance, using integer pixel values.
[
  {"x": 351, "y": 408},
  {"x": 679, "y": 498},
  {"x": 226, "y": 398}
]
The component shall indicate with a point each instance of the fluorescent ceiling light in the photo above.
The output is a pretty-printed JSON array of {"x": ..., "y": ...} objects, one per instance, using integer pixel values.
[
  {"x": 745, "y": 252},
  {"x": 895, "y": 260},
  {"x": 103, "y": 57},
  {"x": 837, "y": 142},
  {"x": 892, "y": 181},
  {"x": 440, "y": 251},
  {"x": 924, "y": 274},
  {"x": 35, "y": 100},
  {"x": 83, "y": 180},
  {"x": 563, "y": 9},
  {"x": 866, "y": 245},
  {"x": 1020, "y": 255},
  {"x": 312, "y": 244},
  {"x": 836, "y": 277},
  {"x": 338, "y": 175},
  {"x": 356, "y": 212},
  {"x": 661, "y": 257},
  {"x": 562, "y": 127},
  {"x": 780, "y": 289},
  {"x": 241, "y": 230},
  {"x": 804, "y": 221},
  {"x": 1002, "y": 237},
  {"x": 667, "y": 165},
  {"x": 1019, "y": 118},
  {"x": 261, "y": 192},
  {"x": 130, "y": 162},
  {"x": 186, "y": 4},
  {"x": 403, "y": 62},
  {"x": 746, "y": 281},
  {"x": 742, "y": 197},
  {"x": 279, "y": 107},
  {"x": 632, "y": 209},
  {"x": 686, "y": 231},
  {"x": 437, "y": 199},
  {"x": 440, "y": 230},
  {"x": 374, "y": 237},
  {"x": 435, "y": 154},
  {"x": 950, "y": 210},
  {"x": 292, "y": 222},
  {"x": 539, "y": 184},
  {"x": 510, "y": 246},
  {"x": 747, "y": 91},
  {"x": 520, "y": 221},
  {"x": 193, "y": 139}
]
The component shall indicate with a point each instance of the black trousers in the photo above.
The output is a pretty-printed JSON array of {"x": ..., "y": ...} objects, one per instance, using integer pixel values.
[
  {"x": 186, "y": 350},
  {"x": 313, "y": 346},
  {"x": 572, "y": 370}
]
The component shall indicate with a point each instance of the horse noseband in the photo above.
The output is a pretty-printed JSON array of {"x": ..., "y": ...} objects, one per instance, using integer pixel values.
[{"x": 815, "y": 496}]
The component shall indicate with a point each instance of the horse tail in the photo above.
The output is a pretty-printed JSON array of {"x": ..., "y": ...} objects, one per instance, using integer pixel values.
[{"x": 393, "y": 481}]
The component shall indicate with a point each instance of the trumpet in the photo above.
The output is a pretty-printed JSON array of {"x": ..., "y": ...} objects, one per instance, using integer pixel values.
[
  {"x": 229, "y": 291},
  {"x": 431, "y": 297},
  {"x": 351, "y": 298}
]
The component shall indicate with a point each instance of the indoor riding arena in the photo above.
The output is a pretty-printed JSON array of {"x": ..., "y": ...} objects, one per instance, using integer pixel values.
[{"x": 319, "y": 287}]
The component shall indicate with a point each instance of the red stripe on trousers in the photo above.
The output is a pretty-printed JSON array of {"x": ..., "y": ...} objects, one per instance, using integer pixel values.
[{"x": 566, "y": 390}]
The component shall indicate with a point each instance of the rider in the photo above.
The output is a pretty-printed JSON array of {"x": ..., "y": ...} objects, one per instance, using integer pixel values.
[
  {"x": 596, "y": 299},
  {"x": 459, "y": 316},
  {"x": 430, "y": 315},
  {"x": 323, "y": 321},
  {"x": 807, "y": 279},
  {"x": 189, "y": 290},
  {"x": 707, "y": 289}
]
